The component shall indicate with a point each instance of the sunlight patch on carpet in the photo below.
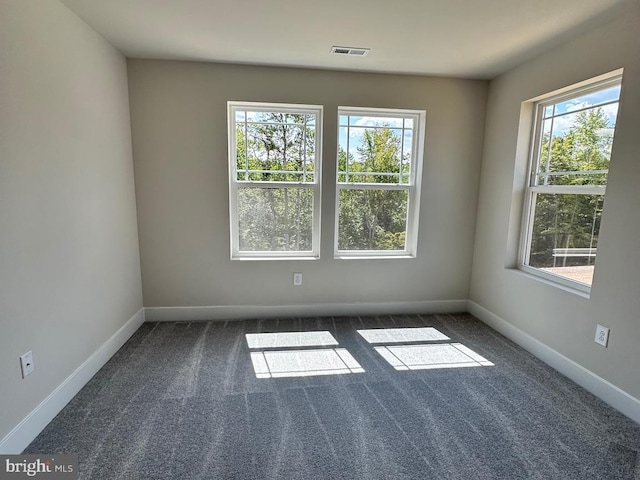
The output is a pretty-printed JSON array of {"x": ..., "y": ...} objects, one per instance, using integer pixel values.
[
  {"x": 304, "y": 363},
  {"x": 402, "y": 335},
  {"x": 423, "y": 357},
  {"x": 290, "y": 339}
]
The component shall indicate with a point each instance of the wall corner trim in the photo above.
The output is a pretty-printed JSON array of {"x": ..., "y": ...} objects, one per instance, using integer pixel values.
[
  {"x": 239, "y": 312},
  {"x": 601, "y": 388},
  {"x": 29, "y": 428}
]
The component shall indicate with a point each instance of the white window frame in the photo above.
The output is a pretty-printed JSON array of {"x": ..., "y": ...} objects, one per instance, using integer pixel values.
[
  {"x": 413, "y": 187},
  {"x": 234, "y": 183},
  {"x": 532, "y": 189}
]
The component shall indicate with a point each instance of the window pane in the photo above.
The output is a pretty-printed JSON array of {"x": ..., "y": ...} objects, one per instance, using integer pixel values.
[
  {"x": 592, "y": 99},
  {"x": 406, "y": 157},
  {"x": 372, "y": 219},
  {"x": 372, "y": 155},
  {"x": 576, "y": 141},
  {"x": 544, "y": 154},
  {"x": 274, "y": 146},
  {"x": 565, "y": 234},
  {"x": 374, "y": 121},
  {"x": 275, "y": 219}
]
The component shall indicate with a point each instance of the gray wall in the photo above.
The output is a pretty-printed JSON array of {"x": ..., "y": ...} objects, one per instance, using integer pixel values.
[
  {"x": 562, "y": 320},
  {"x": 69, "y": 261},
  {"x": 178, "y": 115}
]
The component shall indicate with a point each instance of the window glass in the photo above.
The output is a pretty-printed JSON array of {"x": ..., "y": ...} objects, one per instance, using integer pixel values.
[
  {"x": 570, "y": 165},
  {"x": 274, "y": 182},
  {"x": 378, "y": 181}
]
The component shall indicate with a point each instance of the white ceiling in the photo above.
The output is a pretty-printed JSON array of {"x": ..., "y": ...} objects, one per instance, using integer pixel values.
[{"x": 461, "y": 38}]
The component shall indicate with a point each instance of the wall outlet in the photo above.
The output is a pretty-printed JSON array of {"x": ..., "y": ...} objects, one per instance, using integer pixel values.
[
  {"x": 297, "y": 279},
  {"x": 26, "y": 362},
  {"x": 602, "y": 335}
]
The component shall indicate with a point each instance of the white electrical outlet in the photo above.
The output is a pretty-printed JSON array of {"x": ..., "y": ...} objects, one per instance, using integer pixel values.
[
  {"x": 26, "y": 362},
  {"x": 602, "y": 335},
  {"x": 297, "y": 279}
]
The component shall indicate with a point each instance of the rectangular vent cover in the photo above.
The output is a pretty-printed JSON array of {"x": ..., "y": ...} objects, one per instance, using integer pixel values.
[{"x": 355, "y": 52}]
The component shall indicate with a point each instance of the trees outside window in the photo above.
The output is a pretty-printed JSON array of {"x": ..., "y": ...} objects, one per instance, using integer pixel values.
[
  {"x": 379, "y": 170},
  {"x": 568, "y": 176},
  {"x": 274, "y": 187}
]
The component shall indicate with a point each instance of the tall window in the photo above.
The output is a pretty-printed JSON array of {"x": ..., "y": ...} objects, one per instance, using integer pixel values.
[
  {"x": 274, "y": 184},
  {"x": 568, "y": 179},
  {"x": 378, "y": 182}
]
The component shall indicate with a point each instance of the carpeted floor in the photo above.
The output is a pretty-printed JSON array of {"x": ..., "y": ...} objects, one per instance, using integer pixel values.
[{"x": 181, "y": 400}]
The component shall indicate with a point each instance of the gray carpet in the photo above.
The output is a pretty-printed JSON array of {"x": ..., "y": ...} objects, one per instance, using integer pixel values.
[{"x": 181, "y": 400}]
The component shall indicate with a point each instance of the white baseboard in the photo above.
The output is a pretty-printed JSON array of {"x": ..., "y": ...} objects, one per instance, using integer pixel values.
[
  {"x": 609, "y": 393},
  {"x": 29, "y": 428},
  {"x": 18, "y": 439},
  {"x": 238, "y": 312}
]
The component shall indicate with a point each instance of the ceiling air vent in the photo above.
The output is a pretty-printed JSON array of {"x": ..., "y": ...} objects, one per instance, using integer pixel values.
[{"x": 354, "y": 52}]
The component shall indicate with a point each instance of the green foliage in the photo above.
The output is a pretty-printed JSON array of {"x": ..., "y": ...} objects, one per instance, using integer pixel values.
[
  {"x": 281, "y": 147},
  {"x": 564, "y": 221},
  {"x": 275, "y": 219},
  {"x": 586, "y": 147},
  {"x": 373, "y": 219},
  {"x": 278, "y": 148},
  {"x": 571, "y": 220}
]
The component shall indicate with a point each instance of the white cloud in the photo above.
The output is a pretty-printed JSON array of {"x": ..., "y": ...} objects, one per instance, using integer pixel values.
[
  {"x": 572, "y": 107},
  {"x": 562, "y": 124}
]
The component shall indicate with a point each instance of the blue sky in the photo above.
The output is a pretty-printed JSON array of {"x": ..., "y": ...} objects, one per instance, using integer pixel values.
[
  {"x": 563, "y": 123},
  {"x": 356, "y": 126}
]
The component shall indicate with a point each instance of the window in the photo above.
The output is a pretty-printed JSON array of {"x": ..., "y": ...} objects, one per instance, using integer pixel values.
[
  {"x": 569, "y": 164},
  {"x": 274, "y": 181},
  {"x": 378, "y": 181}
]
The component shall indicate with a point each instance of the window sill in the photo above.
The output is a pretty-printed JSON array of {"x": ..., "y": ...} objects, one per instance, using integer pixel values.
[
  {"x": 349, "y": 256},
  {"x": 270, "y": 258},
  {"x": 570, "y": 286}
]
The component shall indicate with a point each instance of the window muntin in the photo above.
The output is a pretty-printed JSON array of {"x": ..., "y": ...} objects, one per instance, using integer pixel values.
[
  {"x": 274, "y": 187},
  {"x": 379, "y": 170},
  {"x": 569, "y": 166}
]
